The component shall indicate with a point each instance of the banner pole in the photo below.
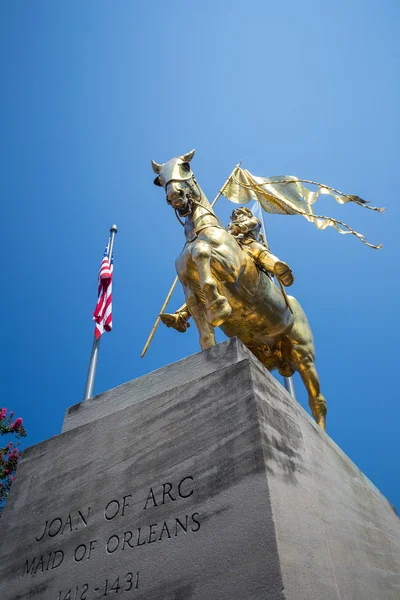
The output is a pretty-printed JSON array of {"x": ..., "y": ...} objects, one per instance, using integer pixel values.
[
  {"x": 91, "y": 375},
  {"x": 289, "y": 386}
]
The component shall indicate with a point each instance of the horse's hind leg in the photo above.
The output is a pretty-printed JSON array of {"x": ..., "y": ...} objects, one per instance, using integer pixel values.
[
  {"x": 217, "y": 306},
  {"x": 306, "y": 367},
  {"x": 198, "y": 312},
  {"x": 302, "y": 358}
]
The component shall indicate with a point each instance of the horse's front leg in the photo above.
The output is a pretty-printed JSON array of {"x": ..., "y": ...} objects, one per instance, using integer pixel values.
[
  {"x": 217, "y": 306},
  {"x": 198, "y": 312}
]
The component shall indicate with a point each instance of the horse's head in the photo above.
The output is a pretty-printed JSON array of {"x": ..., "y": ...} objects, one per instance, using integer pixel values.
[{"x": 176, "y": 177}]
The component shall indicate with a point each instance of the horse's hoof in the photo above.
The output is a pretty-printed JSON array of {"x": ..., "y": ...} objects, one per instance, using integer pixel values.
[
  {"x": 175, "y": 320},
  {"x": 321, "y": 421},
  {"x": 218, "y": 311}
]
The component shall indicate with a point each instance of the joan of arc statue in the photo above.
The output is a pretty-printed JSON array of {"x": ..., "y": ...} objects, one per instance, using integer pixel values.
[{"x": 246, "y": 229}]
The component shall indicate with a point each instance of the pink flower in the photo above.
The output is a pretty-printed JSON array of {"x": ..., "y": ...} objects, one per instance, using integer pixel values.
[
  {"x": 3, "y": 413},
  {"x": 17, "y": 424}
]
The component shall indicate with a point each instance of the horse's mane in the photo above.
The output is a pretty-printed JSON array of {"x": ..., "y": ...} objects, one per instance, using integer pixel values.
[{"x": 205, "y": 203}]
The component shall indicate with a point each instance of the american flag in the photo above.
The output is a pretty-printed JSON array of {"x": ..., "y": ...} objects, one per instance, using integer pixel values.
[{"x": 103, "y": 312}]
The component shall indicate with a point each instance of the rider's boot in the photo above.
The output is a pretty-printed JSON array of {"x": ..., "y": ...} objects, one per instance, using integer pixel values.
[
  {"x": 273, "y": 265},
  {"x": 177, "y": 320}
]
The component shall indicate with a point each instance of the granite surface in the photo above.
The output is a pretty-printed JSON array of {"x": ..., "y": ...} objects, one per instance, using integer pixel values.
[
  {"x": 151, "y": 384},
  {"x": 219, "y": 488}
]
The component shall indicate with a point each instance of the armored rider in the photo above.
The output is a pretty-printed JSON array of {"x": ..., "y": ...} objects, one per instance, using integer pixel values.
[{"x": 246, "y": 228}]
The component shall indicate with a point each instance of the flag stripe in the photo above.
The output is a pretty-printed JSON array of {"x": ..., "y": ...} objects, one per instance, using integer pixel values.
[{"x": 102, "y": 314}]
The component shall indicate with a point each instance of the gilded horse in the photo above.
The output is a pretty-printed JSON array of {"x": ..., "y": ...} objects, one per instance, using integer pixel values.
[{"x": 224, "y": 288}]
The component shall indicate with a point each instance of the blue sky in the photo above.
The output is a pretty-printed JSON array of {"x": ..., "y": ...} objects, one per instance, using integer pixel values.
[{"x": 91, "y": 91}]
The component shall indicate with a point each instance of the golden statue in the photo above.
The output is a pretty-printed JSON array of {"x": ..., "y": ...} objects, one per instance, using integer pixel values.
[
  {"x": 226, "y": 278},
  {"x": 246, "y": 228}
]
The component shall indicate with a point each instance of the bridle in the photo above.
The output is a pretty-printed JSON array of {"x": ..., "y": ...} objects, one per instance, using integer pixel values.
[{"x": 192, "y": 182}]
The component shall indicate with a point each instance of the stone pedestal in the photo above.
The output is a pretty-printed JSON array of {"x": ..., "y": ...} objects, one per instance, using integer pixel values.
[{"x": 204, "y": 480}]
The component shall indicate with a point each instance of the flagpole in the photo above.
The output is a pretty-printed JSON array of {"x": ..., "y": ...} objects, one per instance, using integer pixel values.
[{"x": 91, "y": 375}]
